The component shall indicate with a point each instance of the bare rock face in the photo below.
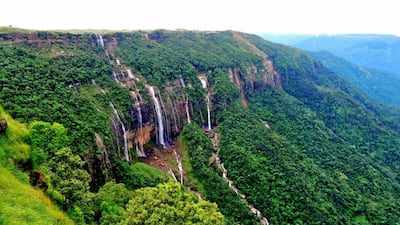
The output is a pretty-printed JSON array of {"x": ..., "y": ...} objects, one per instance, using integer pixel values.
[{"x": 3, "y": 125}]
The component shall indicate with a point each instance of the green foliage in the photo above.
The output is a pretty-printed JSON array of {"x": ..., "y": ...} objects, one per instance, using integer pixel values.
[
  {"x": 12, "y": 141},
  {"x": 330, "y": 156},
  {"x": 138, "y": 175},
  {"x": 110, "y": 202},
  {"x": 46, "y": 139},
  {"x": 22, "y": 204},
  {"x": 225, "y": 91},
  {"x": 161, "y": 56},
  {"x": 379, "y": 85},
  {"x": 170, "y": 203},
  {"x": 216, "y": 189},
  {"x": 35, "y": 86}
]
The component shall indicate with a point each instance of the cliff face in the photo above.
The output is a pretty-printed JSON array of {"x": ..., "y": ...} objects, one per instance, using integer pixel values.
[
  {"x": 39, "y": 39},
  {"x": 181, "y": 96}
]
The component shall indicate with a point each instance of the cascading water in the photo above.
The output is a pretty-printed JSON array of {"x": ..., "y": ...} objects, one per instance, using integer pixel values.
[
  {"x": 187, "y": 108},
  {"x": 160, "y": 123},
  {"x": 208, "y": 102},
  {"x": 170, "y": 172},
  {"x": 99, "y": 40},
  {"x": 131, "y": 75},
  {"x": 139, "y": 146},
  {"x": 182, "y": 81},
  {"x": 174, "y": 114},
  {"x": 208, "y": 111},
  {"x": 126, "y": 150},
  {"x": 185, "y": 98},
  {"x": 115, "y": 77},
  {"x": 179, "y": 163},
  {"x": 167, "y": 126},
  {"x": 203, "y": 82}
]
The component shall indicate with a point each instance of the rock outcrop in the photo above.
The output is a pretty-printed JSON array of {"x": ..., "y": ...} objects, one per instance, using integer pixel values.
[{"x": 3, "y": 125}]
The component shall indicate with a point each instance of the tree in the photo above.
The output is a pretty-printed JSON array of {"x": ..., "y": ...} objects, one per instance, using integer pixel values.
[{"x": 170, "y": 203}]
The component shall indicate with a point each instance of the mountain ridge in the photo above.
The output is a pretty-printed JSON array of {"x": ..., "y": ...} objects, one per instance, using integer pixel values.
[{"x": 138, "y": 92}]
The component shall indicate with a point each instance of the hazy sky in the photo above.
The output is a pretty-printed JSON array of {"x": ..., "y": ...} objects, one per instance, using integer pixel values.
[{"x": 253, "y": 16}]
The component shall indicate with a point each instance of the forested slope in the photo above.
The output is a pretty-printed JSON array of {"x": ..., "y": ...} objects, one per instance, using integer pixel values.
[
  {"x": 379, "y": 85},
  {"x": 263, "y": 130}
]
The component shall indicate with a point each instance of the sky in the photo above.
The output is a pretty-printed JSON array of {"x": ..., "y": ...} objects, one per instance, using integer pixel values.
[{"x": 252, "y": 16}]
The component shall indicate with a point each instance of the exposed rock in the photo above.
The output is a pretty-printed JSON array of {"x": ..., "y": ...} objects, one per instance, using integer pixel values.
[{"x": 3, "y": 125}]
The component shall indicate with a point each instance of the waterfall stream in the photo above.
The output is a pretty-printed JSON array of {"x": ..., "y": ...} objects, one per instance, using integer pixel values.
[
  {"x": 185, "y": 98},
  {"x": 179, "y": 163},
  {"x": 139, "y": 146},
  {"x": 220, "y": 164},
  {"x": 159, "y": 119},
  {"x": 99, "y": 40},
  {"x": 208, "y": 111},
  {"x": 208, "y": 102},
  {"x": 126, "y": 150}
]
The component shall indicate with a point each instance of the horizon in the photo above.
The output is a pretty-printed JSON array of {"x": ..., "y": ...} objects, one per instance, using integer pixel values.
[
  {"x": 253, "y": 16},
  {"x": 195, "y": 30}
]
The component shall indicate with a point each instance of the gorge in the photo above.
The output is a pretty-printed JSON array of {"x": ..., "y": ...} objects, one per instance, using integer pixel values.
[{"x": 111, "y": 117}]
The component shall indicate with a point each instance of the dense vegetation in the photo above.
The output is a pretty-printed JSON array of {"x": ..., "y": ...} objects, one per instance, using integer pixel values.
[
  {"x": 377, "y": 84},
  {"x": 19, "y": 202},
  {"x": 316, "y": 151},
  {"x": 170, "y": 203},
  {"x": 216, "y": 190}
]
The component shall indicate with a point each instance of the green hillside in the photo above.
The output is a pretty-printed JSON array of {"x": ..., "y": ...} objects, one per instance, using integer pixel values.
[
  {"x": 20, "y": 203},
  {"x": 379, "y": 85},
  {"x": 265, "y": 131}
]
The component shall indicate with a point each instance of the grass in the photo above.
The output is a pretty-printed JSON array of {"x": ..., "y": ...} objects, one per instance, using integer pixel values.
[
  {"x": 21, "y": 204},
  {"x": 148, "y": 171},
  {"x": 12, "y": 144}
]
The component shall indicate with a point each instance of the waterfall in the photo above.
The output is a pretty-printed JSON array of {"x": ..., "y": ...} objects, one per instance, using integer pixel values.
[
  {"x": 159, "y": 118},
  {"x": 115, "y": 77},
  {"x": 99, "y": 40},
  {"x": 118, "y": 62},
  {"x": 208, "y": 111},
  {"x": 174, "y": 116},
  {"x": 203, "y": 81},
  {"x": 130, "y": 74},
  {"x": 187, "y": 108},
  {"x": 170, "y": 172},
  {"x": 179, "y": 163},
  {"x": 182, "y": 81},
  {"x": 167, "y": 126},
  {"x": 139, "y": 146},
  {"x": 185, "y": 98},
  {"x": 126, "y": 151}
]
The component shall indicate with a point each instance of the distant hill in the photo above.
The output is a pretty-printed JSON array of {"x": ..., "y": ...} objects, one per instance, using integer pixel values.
[
  {"x": 286, "y": 39},
  {"x": 373, "y": 51},
  {"x": 380, "y": 85}
]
